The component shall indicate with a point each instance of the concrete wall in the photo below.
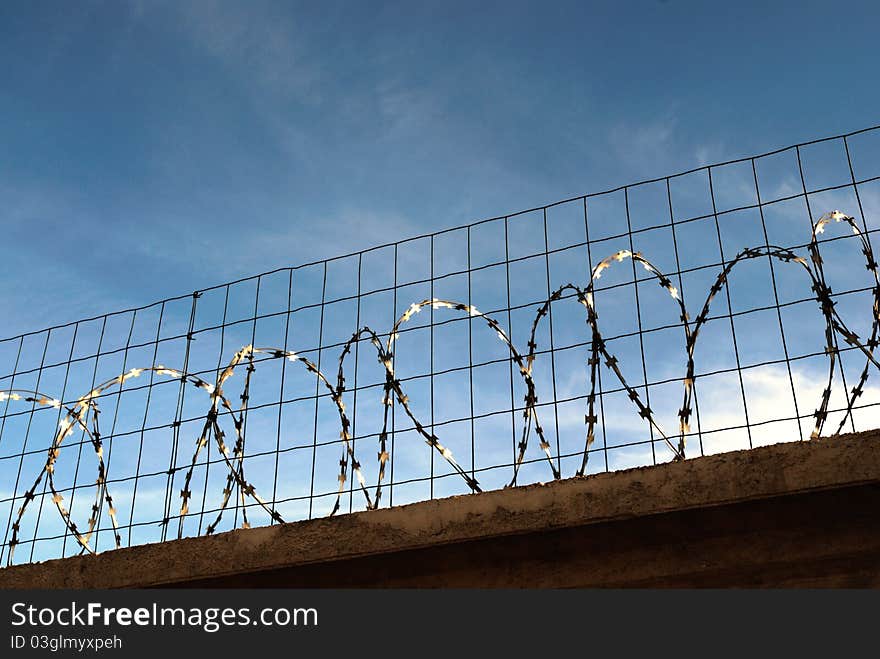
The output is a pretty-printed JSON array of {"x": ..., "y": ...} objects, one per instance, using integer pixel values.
[{"x": 801, "y": 514}]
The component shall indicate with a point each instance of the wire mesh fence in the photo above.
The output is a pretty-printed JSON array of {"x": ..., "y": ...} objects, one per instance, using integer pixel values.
[{"x": 722, "y": 308}]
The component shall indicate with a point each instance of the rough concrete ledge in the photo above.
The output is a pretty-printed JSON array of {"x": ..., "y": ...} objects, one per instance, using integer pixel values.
[{"x": 771, "y": 472}]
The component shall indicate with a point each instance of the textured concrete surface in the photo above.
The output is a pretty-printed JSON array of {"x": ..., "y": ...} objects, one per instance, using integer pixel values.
[{"x": 796, "y": 514}]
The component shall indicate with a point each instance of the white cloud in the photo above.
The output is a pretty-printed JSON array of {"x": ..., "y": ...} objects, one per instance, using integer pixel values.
[
  {"x": 768, "y": 396},
  {"x": 649, "y": 149}
]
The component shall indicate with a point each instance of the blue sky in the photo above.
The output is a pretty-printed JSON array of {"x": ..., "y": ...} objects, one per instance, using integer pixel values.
[{"x": 152, "y": 149}]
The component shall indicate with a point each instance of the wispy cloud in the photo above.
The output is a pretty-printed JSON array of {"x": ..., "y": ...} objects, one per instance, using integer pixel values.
[{"x": 661, "y": 146}]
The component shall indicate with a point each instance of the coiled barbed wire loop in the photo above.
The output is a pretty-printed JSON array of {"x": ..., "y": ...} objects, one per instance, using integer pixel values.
[{"x": 84, "y": 412}]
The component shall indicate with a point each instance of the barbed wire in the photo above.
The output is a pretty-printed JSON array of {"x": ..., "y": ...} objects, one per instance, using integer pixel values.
[{"x": 84, "y": 413}]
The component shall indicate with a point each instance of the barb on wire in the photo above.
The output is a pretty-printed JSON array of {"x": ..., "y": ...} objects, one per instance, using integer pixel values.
[{"x": 83, "y": 413}]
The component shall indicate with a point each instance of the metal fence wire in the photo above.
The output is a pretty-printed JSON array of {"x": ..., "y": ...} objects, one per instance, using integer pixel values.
[{"x": 723, "y": 308}]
